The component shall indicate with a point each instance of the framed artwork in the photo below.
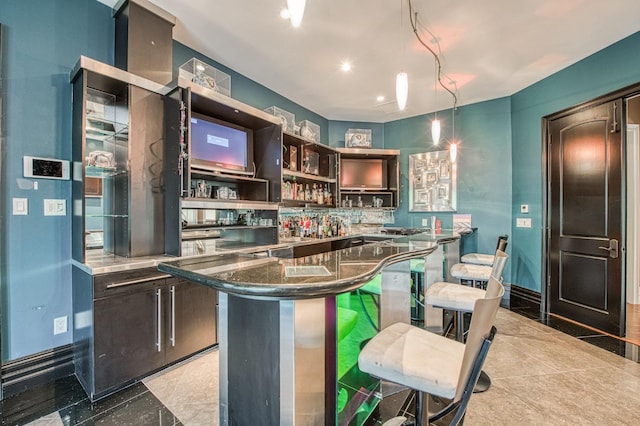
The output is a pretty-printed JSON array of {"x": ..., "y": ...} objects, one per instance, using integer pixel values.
[{"x": 432, "y": 182}]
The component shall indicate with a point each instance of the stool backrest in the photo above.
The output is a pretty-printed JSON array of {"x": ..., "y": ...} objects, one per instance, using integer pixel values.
[
  {"x": 484, "y": 315},
  {"x": 494, "y": 288},
  {"x": 502, "y": 242},
  {"x": 499, "y": 262}
]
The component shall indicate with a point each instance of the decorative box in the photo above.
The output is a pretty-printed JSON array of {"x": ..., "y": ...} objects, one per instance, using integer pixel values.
[
  {"x": 205, "y": 75},
  {"x": 358, "y": 138},
  {"x": 288, "y": 119},
  {"x": 309, "y": 130}
]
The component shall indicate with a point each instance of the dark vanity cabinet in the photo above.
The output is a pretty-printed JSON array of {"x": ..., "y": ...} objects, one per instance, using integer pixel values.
[{"x": 133, "y": 323}]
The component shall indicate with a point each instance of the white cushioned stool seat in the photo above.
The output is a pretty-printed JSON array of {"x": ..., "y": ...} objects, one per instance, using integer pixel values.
[
  {"x": 415, "y": 358},
  {"x": 453, "y": 296},
  {"x": 478, "y": 259},
  {"x": 467, "y": 271}
]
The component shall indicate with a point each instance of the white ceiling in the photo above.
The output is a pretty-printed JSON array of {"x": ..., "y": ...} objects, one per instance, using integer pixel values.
[{"x": 490, "y": 48}]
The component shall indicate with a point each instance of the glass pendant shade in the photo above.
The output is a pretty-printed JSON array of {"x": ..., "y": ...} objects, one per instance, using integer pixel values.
[
  {"x": 453, "y": 152},
  {"x": 435, "y": 131},
  {"x": 402, "y": 89},
  {"x": 296, "y": 10}
]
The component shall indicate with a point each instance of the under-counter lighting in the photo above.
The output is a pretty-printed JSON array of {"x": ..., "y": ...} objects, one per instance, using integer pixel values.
[{"x": 380, "y": 98}]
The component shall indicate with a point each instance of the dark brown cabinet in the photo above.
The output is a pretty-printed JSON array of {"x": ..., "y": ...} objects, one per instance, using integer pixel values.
[
  {"x": 137, "y": 322},
  {"x": 369, "y": 178}
]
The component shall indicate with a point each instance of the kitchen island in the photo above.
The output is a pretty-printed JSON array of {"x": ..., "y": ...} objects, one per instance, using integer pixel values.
[{"x": 279, "y": 322}]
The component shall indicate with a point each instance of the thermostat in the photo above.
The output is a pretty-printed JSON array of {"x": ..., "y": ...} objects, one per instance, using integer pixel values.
[{"x": 45, "y": 168}]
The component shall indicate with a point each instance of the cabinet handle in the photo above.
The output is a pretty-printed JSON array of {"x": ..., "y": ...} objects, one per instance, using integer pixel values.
[
  {"x": 138, "y": 281},
  {"x": 159, "y": 319},
  {"x": 173, "y": 315}
]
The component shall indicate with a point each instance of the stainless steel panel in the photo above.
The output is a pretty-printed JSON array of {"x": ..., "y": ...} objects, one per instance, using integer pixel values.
[
  {"x": 223, "y": 354},
  {"x": 309, "y": 362},
  {"x": 395, "y": 299},
  {"x": 108, "y": 72},
  {"x": 433, "y": 272},
  {"x": 288, "y": 386}
]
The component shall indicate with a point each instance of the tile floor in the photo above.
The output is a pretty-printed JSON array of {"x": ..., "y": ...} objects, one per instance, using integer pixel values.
[{"x": 541, "y": 375}]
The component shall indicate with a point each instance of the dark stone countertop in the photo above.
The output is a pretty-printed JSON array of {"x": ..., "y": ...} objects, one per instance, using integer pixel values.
[{"x": 319, "y": 275}]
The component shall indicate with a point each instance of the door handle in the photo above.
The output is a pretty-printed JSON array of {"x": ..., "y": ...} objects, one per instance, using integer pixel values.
[
  {"x": 173, "y": 315},
  {"x": 159, "y": 320},
  {"x": 612, "y": 249}
]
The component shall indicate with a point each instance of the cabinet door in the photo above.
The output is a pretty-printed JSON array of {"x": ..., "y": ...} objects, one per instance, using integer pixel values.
[
  {"x": 126, "y": 337},
  {"x": 191, "y": 319}
]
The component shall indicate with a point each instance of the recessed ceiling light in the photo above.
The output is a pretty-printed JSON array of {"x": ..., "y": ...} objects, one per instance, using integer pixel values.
[
  {"x": 284, "y": 13},
  {"x": 380, "y": 98},
  {"x": 346, "y": 66}
]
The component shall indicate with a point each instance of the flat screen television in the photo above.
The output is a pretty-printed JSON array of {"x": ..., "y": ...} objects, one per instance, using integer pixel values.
[
  {"x": 220, "y": 146},
  {"x": 363, "y": 173}
]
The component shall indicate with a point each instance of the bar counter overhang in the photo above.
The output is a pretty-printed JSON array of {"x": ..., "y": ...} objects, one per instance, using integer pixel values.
[{"x": 277, "y": 322}]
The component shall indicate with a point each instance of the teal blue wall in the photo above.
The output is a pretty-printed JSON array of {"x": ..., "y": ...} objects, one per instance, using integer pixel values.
[
  {"x": 337, "y": 130},
  {"x": 43, "y": 41},
  {"x": 483, "y": 132},
  {"x": 610, "y": 69}
]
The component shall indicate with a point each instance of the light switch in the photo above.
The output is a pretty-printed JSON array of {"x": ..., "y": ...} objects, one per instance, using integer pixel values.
[
  {"x": 523, "y": 222},
  {"x": 55, "y": 207},
  {"x": 20, "y": 206}
]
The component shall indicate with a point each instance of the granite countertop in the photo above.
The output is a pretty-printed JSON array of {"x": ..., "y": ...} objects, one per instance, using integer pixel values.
[
  {"x": 319, "y": 275},
  {"x": 98, "y": 262}
]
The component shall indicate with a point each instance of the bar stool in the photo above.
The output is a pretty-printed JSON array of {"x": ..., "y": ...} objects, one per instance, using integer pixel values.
[
  {"x": 461, "y": 298},
  {"x": 430, "y": 363},
  {"x": 477, "y": 274},
  {"x": 485, "y": 258}
]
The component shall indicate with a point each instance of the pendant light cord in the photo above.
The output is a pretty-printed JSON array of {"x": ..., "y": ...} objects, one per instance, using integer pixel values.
[{"x": 413, "y": 18}]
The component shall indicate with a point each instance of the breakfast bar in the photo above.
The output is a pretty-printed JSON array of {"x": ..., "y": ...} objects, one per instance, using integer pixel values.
[{"x": 278, "y": 321}]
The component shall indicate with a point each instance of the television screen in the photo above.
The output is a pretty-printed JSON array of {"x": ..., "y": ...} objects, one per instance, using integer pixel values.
[
  {"x": 363, "y": 174},
  {"x": 220, "y": 146}
]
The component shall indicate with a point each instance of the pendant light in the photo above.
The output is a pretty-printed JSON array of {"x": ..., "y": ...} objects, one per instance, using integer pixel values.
[
  {"x": 435, "y": 124},
  {"x": 402, "y": 89},
  {"x": 453, "y": 151},
  {"x": 435, "y": 130},
  {"x": 296, "y": 10}
]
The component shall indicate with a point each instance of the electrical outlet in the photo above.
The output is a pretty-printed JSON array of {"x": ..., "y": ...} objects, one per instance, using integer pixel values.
[
  {"x": 522, "y": 222},
  {"x": 425, "y": 222},
  {"x": 60, "y": 325}
]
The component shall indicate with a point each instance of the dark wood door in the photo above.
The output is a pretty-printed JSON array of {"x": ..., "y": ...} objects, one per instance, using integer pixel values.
[
  {"x": 585, "y": 193},
  {"x": 126, "y": 337},
  {"x": 190, "y": 318}
]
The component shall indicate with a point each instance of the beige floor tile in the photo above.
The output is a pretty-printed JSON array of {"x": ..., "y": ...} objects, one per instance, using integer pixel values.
[{"x": 539, "y": 377}]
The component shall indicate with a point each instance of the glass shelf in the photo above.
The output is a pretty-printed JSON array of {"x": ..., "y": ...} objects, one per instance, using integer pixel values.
[{"x": 102, "y": 172}]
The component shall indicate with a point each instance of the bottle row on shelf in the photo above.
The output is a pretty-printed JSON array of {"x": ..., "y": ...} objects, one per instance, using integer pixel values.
[{"x": 312, "y": 194}]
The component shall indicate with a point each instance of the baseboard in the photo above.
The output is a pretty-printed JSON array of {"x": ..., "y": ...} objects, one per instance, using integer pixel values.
[
  {"x": 521, "y": 297},
  {"x": 24, "y": 373}
]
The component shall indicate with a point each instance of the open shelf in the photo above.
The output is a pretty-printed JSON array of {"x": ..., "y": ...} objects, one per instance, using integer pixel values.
[{"x": 300, "y": 176}]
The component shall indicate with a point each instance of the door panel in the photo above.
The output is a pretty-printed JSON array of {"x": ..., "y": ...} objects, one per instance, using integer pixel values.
[
  {"x": 585, "y": 194},
  {"x": 126, "y": 337},
  {"x": 190, "y": 318}
]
